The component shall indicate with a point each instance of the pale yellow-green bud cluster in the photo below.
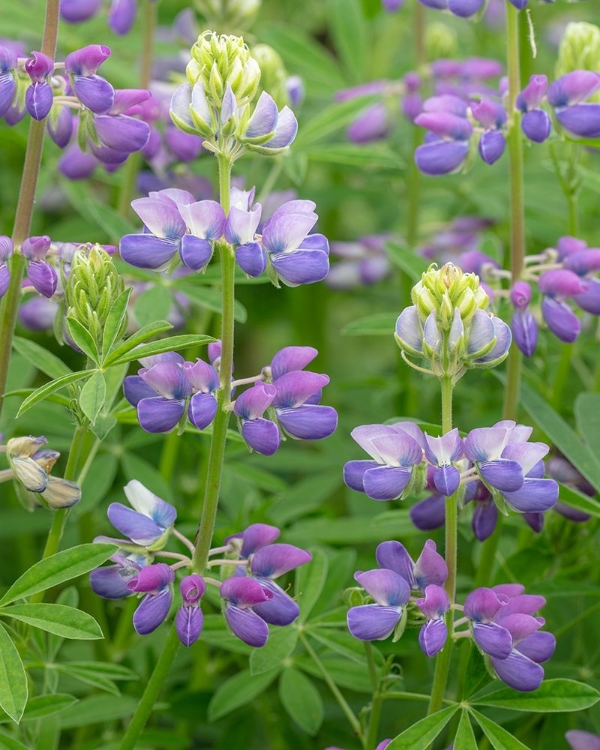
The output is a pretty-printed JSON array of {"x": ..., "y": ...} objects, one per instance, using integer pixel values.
[
  {"x": 91, "y": 290},
  {"x": 218, "y": 60},
  {"x": 231, "y": 15},
  {"x": 445, "y": 290},
  {"x": 273, "y": 73},
  {"x": 440, "y": 41},
  {"x": 579, "y": 50}
]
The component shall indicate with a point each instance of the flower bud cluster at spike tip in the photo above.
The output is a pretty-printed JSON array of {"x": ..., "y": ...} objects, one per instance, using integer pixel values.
[
  {"x": 579, "y": 49},
  {"x": 448, "y": 324},
  {"x": 216, "y": 102},
  {"x": 404, "y": 461},
  {"x": 31, "y": 464},
  {"x": 176, "y": 224},
  {"x": 92, "y": 288},
  {"x": 252, "y": 598},
  {"x": 167, "y": 388}
]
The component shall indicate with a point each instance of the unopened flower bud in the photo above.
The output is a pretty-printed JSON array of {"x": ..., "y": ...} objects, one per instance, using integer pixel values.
[
  {"x": 440, "y": 41},
  {"x": 273, "y": 73},
  {"x": 579, "y": 49}
]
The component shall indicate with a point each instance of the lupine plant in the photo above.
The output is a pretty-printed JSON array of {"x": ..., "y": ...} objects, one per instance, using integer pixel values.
[{"x": 299, "y": 437}]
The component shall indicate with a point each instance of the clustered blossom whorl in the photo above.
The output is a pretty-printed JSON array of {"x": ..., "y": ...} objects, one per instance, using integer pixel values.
[
  {"x": 176, "y": 224},
  {"x": 448, "y": 324},
  {"x": 167, "y": 385},
  {"x": 252, "y": 600},
  {"x": 121, "y": 13},
  {"x": 361, "y": 263},
  {"x": 216, "y": 102},
  {"x": 500, "y": 619},
  {"x": 30, "y": 466},
  {"x": 498, "y": 461}
]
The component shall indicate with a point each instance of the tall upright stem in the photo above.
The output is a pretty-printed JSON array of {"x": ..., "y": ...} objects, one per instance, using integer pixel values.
[
  {"x": 24, "y": 212},
  {"x": 442, "y": 666}
]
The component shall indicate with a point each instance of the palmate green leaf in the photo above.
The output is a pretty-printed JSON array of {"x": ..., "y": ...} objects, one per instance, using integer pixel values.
[
  {"x": 281, "y": 644},
  {"x": 114, "y": 321},
  {"x": 237, "y": 691},
  {"x": 379, "y": 324},
  {"x": 422, "y": 734},
  {"x": 153, "y": 304},
  {"x": 349, "y": 31},
  {"x": 562, "y": 435},
  {"x": 498, "y": 737},
  {"x": 93, "y": 396},
  {"x": 13, "y": 680},
  {"x": 82, "y": 337},
  {"x": 407, "y": 260},
  {"x": 47, "y": 705},
  {"x": 58, "y": 568},
  {"x": 67, "y": 622},
  {"x": 587, "y": 414},
  {"x": 49, "y": 388},
  {"x": 98, "y": 709},
  {"x": 106, "y": 669},
  {"x": 329, "y": 120},
  {"x": 552, "y": 696},
  {"x": 209, "y": 298},
  {"x": 465, "y": 737},
  {"x": 41, "y": 358},
  {"x": 301, "y": 700},
  {"x": 89, "y": 677},
  {"x": 310, "y": 580},
  {"x": 373, "y": 156},
  {"x": 137, "y": 338},
  {"x": 575, "y": 499},
  {"x": 172, "y": 344}
]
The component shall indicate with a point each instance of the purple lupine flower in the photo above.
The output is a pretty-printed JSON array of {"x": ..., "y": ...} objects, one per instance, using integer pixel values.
[
  {"x": 204, "y": 381},
  {"x": 560, "y": 319},
  {"x": 261, "y": 434},
  {"x": 441, "y": 453},
  {"x": 481, "y": 607},
  {"x": 110, "y": 582},
  {"x": 150, "y": 522},
  {"x": 116, "y": 133},
  {"x": 568, "y": 95},
  {"x": 76, "y": 164},
  {"x": 485, "y": 514},
  {"x": 429, "y": 514},
  {"x": 295, "y": 90},
  {"x": 390, "y": 592},
  {"x": 446, "y": 142},
  {"x": 240, "y": 229},
  {"x": 535, "y": 122},
  {"x": 556, "y": 285},
  {"x": 395, "y": 451},
  {"x": 189, "y": 619},
  {"x": 255, "y": 537},
  {"x": 76, "y": 11},
  {"x": 184, "y": 146},
  {"x": 372, "y": 124},
  {"x": 523, "y": 324},
  {"x": 291, "y": 359},
  {"x": 296, "y": 256},
  {"x": 8, "y": 82},
  {"x": 41, "y": 274},
  {"x": 93, "y": 91},
  {"x": 159, "y": 393},
  {"x": 297, "y": 408},
  {"x": 465, "y": 8},
  {"x": 155, "y": 582},
  {"x": 580, "y": 740},
  {"x": 241, "y": 594},
  {"x": 363, "y": 262},
  {"x": 392, "y": 5},
  {"x": 433, "y": 633},
  {"x": 6, "y": 249},
  {"x": 563, "y": 471},
  {"x": 430, "y": 569},
  {"x": 267, "y": 563},
  {"x": 122, "y": 15},
  {"x": 38, "y": 313},
  {"x": 205, "y": 222},
  {"x": 39, "y": 96},
  {"x": 60, "y": 126}
]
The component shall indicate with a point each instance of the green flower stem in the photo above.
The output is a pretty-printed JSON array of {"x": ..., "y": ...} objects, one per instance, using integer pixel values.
[
  {"x": 31, "y": 169},
  {"x": 377, "y": 700},
  {"x": 442, "y": 665},
  {"x": 219, "y": 436},
  {"x": 130, "y": 172},
  {"x": 153, "y": 687},
  {"x": 348, "y": 712}
]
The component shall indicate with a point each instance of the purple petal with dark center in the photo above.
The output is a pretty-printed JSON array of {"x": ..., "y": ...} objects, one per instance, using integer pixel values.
[
  {"x": 251, "y": 258},
  {"x": 94, "y": 92},
  {"x": 503, "y": 474},
  {"x": 536, "y": 125},
  {"x": 254, "y": 401},
  {"x": 189, "y": 622},
  {"x": 243, "y": 591},
  {"x": 582, "y": 120},
  {"x": 109, "y": 583},
  {"x": 152, "y": 578},
  {"x": 429, "y": 514},
  {"x": 135, "y": 389},
  {"x": 152, "y": 612},
  {"x": 247, "y": 626},
  {"x": 315, "y": 241},
  {"x": 370, "y": 622},
  {"x": 204, "y": 219},
  {"x": 301, "y": 266},
  {"x": 519, "y": 672},
  {"x": 157, "y": 415},
  {"x": 146, "y": 250},
  {"x": 291, "y": 358},
  {"x": 308, "y": 421},
  {"x": 281, "y": 609},
  {"x": 138, "y": 527},
  {"x": 262, "y": 435},
  {"x": 284, "y": 232},
  {"x": 122, "y": 133},
  {"x": 483, "y": 604},
  {"x": 386, "y": 482},
  {"x": 493, "y": 639},
  {"x": 535, "y": 496},
  {"x": 354, "y": 472},
  {"x": 436, "y": 602},
  {"x": 488, "y": 113},
  {"x": 293, "y": 388},
  {"x": 240, "y": 226},
  {"x": 202, "y": 410},
  {"x": 393, "y": 556},
  {"x": 430, "y": 567},
  {"x": 386, "y": 587},
  {"x": 432, "y": 637},
  {"x": 485, "y": 518},
  {"x": 43, "y": 277},
  {"x": 528, "y": 455},
  {"x": 398, "y": 448},
  {"x": 275, "y": 560},
  {"x": 168, "y": 379},
  {"x": 256, "y": 536},
  {"x": 194, "y": 252},
  {"x": 441, "y": 157},
  {"x": 202, "y": 376}
]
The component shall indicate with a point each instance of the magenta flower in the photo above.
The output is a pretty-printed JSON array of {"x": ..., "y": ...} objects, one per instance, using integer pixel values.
[
  {"x": 189, "y": 619},
  {"x": 39, "y": 96},
  {"x": 390, "y": 592},
  {"x": 261, "y": 434},
  {"x": 241, "y": 594},
  {"x": 434, "y": 633},
  {"x": 40, "y": 273},
  {"x": 155, "y": 582},
  {"x": 93, "y": 91}
]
